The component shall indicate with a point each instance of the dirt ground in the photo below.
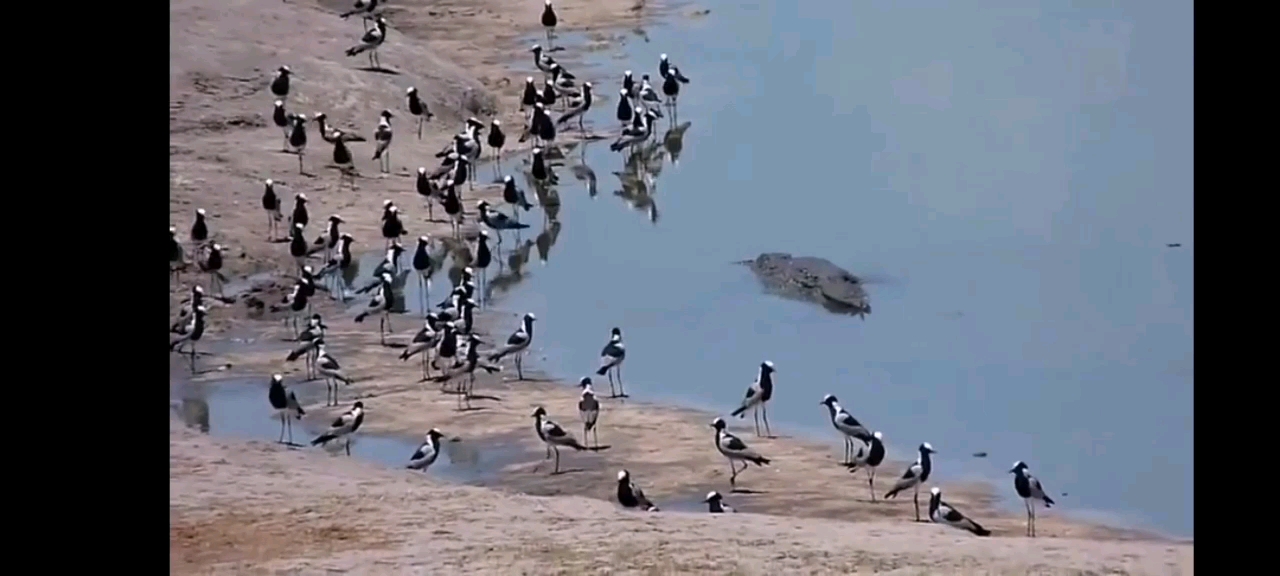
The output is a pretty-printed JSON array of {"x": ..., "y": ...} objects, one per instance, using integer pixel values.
[{"x": 237, "y": 507}]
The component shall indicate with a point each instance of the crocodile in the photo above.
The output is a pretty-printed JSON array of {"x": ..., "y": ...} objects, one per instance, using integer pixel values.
[{"x": 811, "y": 279}]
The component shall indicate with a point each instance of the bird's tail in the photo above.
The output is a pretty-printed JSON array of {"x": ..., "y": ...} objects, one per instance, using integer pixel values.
[
  {"x": 411, "y": 351},
  {"x": 892, "y": 493},
  {"x": 174, "y": 345},
  {"x": 760, "y": 460},
  {"x": 295, "y": 354},
  {"x": 361, "y": 316},
  {"x": 977, "y": 529},
  {"x": 343, "y": 378},
  {"x": 354, "y": 50},
  {"x": 491, "y": 369},
  {"x": 496, "y": 356},
  {"x": 321, "y": 439},
  {"x": 739, "y": 412},
  {"x": 603, "y": 370},
  {"x": 577, "y": 445},
  {"x": 1048, "y": 502},
  {"x": 297, "y": 408}
]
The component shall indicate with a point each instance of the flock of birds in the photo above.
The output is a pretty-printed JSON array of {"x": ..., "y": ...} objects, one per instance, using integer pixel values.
[{"x": 446, "y": 345}]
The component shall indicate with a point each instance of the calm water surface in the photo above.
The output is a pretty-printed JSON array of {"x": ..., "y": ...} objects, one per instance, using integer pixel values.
[{"x": 1005, "y": 175}]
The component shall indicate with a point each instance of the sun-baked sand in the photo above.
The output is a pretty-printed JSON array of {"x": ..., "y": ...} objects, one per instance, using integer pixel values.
[{"x": 222, "y": 145}]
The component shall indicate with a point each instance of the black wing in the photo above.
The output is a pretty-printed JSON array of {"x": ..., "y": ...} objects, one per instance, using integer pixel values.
[
  {"x": 912, "y": 471},
  {"x": 552, "y": 430},
  {"x": 732, "y": 442},
  {"x": 329, "y": 363},
  {"x": 848, "y": 420},
  {"x": 519, "y": 337},
  {"x": 952, "y": 515},
  {"x": 421, "y": 452},
  {"x": 751, "y": 392},
  {"x": 341, "y": 421}
]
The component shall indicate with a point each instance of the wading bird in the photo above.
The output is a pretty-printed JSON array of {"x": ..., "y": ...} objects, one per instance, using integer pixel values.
[
  {"x": 1029, "y": 489},
  {"x": 869, "y": 456},
  {"x": 427, "y": 453},
  {"x": 328, "y": 367},
  {"x": 915, "y": 475},
  {"x": 758, "y": 396},
  {"x": 589, "y": 411},
  {"x": 372, "y": 39},
  {"x": 943, "y": 513},
  {"x": 553, "y": 436},
  {"x": 848, "y": 427},
  {"x": 343, "y": 428},
  {"x": 716, "y": 505},
  {"x": 517, "y": 344},
  {"x": 285, "y": 405},
  {"x": 630, "y": 495},
  {"x": 735, "y": 450},
  {"x": 611, "y": 358}
]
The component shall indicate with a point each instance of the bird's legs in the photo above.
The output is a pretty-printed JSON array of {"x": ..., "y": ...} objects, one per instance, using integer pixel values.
[
  {"x": 557, "y": 467},
  {"x": 283, "y": 418},
  {"x": 382, "y": 335},
  {"x": 871, "y": 482},
  {"x": 300, "y": 171},
  {"x": 519, "y": 367},
  {"x": 916, "y": 499},
  {"x": 193, "y": 356},
  {"x": 289, "y": 424},
  {"x": 348, "y": 445},
  {"x": 764, "y": 410},
  {"x": 595, "y": 436},
  {"x": 420, "y": 121},
  {"x": 612, "y": 392},
  {"x": 618, "y": 374},
  {"x": 755, "y": 413},
  {"x": 548, "y": 457}
]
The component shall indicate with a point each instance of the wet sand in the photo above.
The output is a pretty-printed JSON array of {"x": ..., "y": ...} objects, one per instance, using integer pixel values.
[{"x": 458, "y": 55}]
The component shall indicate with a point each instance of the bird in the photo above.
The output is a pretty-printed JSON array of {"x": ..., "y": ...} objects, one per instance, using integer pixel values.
[
  {"x": 427, "y": 453},
  {"x": 671, "y": 89},
  {"x": 344, "y": 427},
  {"x": 629, "y": 84},
  {"x": 942, "y": 513},
  {"x": 282, "y": 120},
  {"x": 611, "y": 357},
  {"x": 423, "y": 342},
  {"x": 870, "y": 455},
  {"x": 666, "y": 69},
  {"x": 517, "y": 344},
  {"x": 298, "y": 138},
  {"x": 191, "y": 334},
  {"x": 541, "y": 61},
  {"x": 847, "y": 425},
  {"x": 280, "y": 84},
  {"x": 549, "y": 20},
  {"x": 285, "y": 405},
  {"x": 497, "y": 139},
  {"x": 363, "y": 8},
  {"x": 624, "y": 113},
  {"x": 298, "y": 248},
  {"x": 418, "y": 109},
  {"x": 328, "y": 367},
  {"x": 540, "y": 170},
  {"x": 330, "y": 136},
  {"x": 553, "y": 436},
  {"x": 212, "y": 265},
  {"x": 631, "y": 496},
  {"x": 382, "y": 135},
  {"x": 271, "y": 204},
  {"x": 297, "y": 302},
  {"x": 484, "y": 257},
  {"x": 343, "y": 159},
  {"x": 425, "y": 267},
  {"x": 195, "y": 300},
  {"x": 514, "y": 196},
  {"x": 639, "y": 131},
  {"x": 392, "y": 226},
  {"x": 309, "y": 339},
  {"x": 589, "y": 410},
  {"x": 300, "y": 217},
  {"x": 758, "y": 396},
  {"x": 647, "y": 94},
  {"x": 331, "y": 237},
  {"x": 199, "y": 228},
  {"x": 380, "y": 303},
  {"x": 428, "y": 190},
  {"x": 453, "y": 209},
  {"x": 177, "y": 255},
  {"x": 580, "y": 109},
  {"x": 715, "y": 503},
  {"x": 916, "y": 474},
  {"x": 735, "y": 450},
  {"x": 529, "y": 96},
  {"x": 1029, "y": 489},
  {"x": 497, "y": 221},
  {"x": 372, "y": 39}
]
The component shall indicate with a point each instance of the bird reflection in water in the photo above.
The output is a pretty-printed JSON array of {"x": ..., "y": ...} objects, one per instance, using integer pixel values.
[
  {"x": 194, "y": 413},
  {"x": 510, "y": 269},
  {"x": 546, "y": 240},
  {"x": 637, "y": 179},
  {"x": 673, "y": 142}
]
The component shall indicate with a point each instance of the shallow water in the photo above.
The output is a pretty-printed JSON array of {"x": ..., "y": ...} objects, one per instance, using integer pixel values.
[
  {"x": 1005, "y": 176},
  {"x": 238, "y": 408}
]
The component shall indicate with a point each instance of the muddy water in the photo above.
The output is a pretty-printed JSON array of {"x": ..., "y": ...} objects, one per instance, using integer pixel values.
[{"x": 1006, "y": 178}]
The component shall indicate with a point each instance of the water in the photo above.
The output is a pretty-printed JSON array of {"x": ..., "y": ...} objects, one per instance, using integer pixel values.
[
  {"x": 1005, "y": 175},
  {"x": 239, "y": 409}
]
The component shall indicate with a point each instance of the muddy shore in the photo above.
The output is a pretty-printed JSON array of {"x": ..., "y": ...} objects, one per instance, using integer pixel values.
[{"x": 457, "y": 54}]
